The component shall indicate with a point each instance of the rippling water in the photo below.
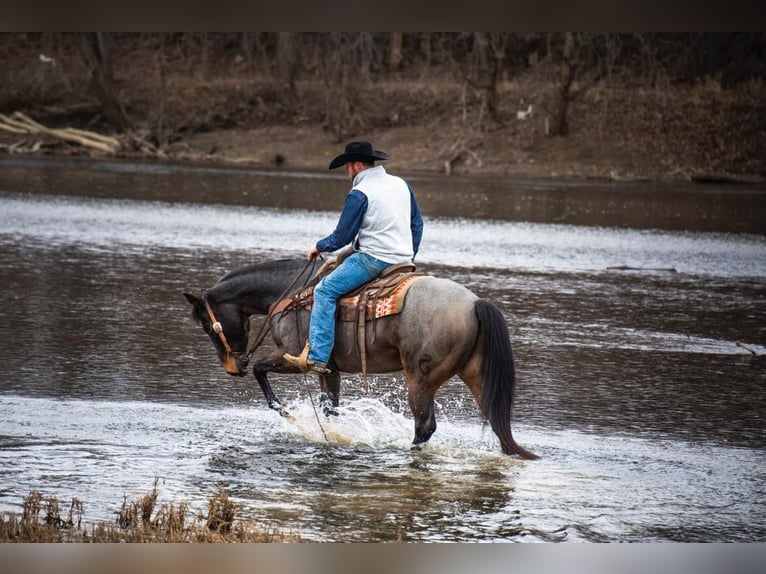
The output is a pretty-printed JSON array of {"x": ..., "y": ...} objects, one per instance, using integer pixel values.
[{"x": 648, "y": 415}]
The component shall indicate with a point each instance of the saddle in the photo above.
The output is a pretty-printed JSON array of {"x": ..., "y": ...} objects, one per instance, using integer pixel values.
[{"x": 381, "y": 297}]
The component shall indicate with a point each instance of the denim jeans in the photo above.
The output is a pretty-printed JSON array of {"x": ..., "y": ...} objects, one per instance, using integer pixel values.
[{"x": 356, "y": 270}]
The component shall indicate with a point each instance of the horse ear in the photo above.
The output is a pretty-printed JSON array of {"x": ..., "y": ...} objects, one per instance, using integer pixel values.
[{"x": 194, "y": 300}]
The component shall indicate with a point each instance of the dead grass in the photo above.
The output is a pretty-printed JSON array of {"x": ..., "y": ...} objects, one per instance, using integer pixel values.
[{"x": 44, "y": 519}]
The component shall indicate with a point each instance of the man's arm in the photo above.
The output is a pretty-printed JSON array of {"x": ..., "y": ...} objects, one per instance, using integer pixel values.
[
  {"x": 348, "y": 224},
  {"x": 416, "y": 224}
]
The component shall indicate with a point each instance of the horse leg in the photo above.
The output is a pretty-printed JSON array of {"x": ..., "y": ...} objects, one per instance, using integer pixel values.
[
  {"x": 262, "y": 367},
  {"x": 275, "y": 362},
  {"x": 421, "y": 401},
  {"x": 271, "y": 398},
  {"x": 330, "y": 397},
  {"x": 425, "y": 419},
  {"x": 427, "y": 368}
]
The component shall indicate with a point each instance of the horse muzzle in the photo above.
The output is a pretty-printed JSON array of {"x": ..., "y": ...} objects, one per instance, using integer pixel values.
[{"x": 235, "y": 366}]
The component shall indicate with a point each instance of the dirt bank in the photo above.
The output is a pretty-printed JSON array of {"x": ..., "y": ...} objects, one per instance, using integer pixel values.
[{"x": 618, "y": 130}]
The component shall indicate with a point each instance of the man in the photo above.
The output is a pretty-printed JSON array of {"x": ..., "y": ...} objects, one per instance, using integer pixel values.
[{"x": 382, "y": 219}]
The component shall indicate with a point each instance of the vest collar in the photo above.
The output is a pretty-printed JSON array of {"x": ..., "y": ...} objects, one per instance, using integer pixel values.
[{"x": 369, "y": 172}]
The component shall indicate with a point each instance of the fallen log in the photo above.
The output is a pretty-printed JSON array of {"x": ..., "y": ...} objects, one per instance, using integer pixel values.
[
  {"x": 142, "y": 143},
  {"x": 23, "y": 147},
  {"x": 21, "y": 124}
]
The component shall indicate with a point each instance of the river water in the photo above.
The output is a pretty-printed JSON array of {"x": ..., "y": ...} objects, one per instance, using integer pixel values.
[{"x": 648, "y": 415}]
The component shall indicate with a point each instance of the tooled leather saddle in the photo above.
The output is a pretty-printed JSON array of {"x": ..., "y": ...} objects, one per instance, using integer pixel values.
[{"x": 380, "y": 297}]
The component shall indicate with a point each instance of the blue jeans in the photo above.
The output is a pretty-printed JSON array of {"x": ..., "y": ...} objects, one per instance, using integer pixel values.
[{"x": 356, "y": 270}]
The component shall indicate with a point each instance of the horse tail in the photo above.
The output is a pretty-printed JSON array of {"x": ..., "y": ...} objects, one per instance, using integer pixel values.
[{"x": 499, "y": 376}]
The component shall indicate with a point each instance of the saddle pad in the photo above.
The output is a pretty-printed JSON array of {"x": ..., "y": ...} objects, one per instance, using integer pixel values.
[
  {"x": 380, "y": 299},
  {"x": 389, "y": 303}
]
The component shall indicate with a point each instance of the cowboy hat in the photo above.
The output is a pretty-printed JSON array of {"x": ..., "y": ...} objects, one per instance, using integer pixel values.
[{"x": 358, "y": 151}]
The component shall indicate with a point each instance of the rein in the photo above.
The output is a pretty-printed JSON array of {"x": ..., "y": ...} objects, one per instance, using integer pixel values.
[{"x": 265, "y": 327}]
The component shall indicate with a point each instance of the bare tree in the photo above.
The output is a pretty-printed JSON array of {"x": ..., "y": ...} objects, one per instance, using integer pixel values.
[
  {"x": 584, "y": 60},
  {"x": 486, "y": 65},
  {"x": 288, "y": 58},
  {"x": 394, "y": 51},
  {"x": 204, "y": 58},
  {"x": 161, "y": 132},
  {"x": 568, "y": 70},
  {"x": 349, "y": 59},
  {"x": 94, "y": 47},
  {"x": 652, "y": 67},
  {"x": 425, "y": 49}
]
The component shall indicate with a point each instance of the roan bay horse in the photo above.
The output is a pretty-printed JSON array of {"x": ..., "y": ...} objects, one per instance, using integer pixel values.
[{"x": 444, "y": 329}]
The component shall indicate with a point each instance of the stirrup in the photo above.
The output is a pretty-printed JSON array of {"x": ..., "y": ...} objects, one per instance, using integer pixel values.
[
  {"x": 300, "y": 361},
  {"x": 318, "y": 368}
]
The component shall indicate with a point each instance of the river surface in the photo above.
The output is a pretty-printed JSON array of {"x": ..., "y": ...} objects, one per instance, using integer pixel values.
[{"x": 647, "y": 413}]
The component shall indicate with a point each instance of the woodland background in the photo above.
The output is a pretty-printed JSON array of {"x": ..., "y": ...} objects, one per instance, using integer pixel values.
[{"x": 660, "y": 106}]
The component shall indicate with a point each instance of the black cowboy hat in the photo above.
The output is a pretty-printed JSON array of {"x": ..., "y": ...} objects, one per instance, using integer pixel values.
[{"x": 358, "y": 151}]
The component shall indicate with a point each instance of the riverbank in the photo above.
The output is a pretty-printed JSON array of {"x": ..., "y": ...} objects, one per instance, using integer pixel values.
[
  {"x": 681, "y": 206},
  {"x": 433, "y": 148},
  {"x": 620, "y": 130},
  {"x": 668, "y": 155},
  {"x": 598, "y": 148}
]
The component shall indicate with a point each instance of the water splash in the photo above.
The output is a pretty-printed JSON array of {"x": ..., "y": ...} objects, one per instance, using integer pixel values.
[{"x": 366, "y": 422}]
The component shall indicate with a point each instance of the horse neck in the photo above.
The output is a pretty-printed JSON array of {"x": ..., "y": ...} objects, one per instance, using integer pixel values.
[{"x": 255, "y": 288}]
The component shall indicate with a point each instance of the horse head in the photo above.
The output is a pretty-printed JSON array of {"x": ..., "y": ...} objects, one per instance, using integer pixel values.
[{"x": 228, "y": 327}]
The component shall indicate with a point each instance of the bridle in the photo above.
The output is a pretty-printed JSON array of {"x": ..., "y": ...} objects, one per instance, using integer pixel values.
[
  {"x": 217, "y": 327},
  {"x": 215, "y": 324}
]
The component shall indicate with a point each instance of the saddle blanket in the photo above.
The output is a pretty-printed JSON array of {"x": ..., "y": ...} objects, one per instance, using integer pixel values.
[
  {"x": 378, "y": 303},
  {"x": 380, "y": 298}
]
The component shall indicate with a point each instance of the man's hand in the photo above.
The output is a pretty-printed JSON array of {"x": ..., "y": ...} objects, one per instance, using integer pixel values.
[{"x": 313, "y": 252}]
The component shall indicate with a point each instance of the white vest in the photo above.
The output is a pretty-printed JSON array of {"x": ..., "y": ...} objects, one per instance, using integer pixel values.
[{"x": 385, "y": 232}]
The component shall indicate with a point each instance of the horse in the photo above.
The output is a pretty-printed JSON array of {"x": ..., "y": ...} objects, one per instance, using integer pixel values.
[{"x": 444, "y": 329}]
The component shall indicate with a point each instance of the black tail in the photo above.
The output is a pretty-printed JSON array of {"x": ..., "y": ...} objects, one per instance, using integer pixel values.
[{"x": 499, "y": 376}]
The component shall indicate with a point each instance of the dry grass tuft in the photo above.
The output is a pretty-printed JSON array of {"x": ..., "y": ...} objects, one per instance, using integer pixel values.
[{"x": 139, "y": 520}]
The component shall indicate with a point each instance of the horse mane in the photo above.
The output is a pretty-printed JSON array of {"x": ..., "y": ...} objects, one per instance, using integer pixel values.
[
  {"x": 275, "y": 265},
  {"x": 255, "y": 280}
]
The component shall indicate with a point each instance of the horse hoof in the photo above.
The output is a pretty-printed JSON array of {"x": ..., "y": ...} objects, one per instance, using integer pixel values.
[
  {"x": 328, "y": 407},
  {"x": 281, "y": 410}
]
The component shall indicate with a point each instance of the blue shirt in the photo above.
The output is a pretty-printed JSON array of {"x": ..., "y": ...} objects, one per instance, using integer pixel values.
[{"x": 350, "y": 221}]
